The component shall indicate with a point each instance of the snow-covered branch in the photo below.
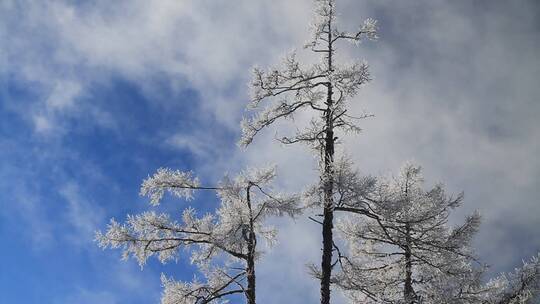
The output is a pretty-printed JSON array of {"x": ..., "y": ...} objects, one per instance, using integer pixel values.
[
  {"x": 178, "y": 183},
  {"x": 404, "y": 241},
  {"x": 229, "y": 235}
]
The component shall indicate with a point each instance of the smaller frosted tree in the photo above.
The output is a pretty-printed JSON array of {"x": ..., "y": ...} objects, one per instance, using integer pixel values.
[
  {"x": 405, "y": 242},
  {"x": 404, "y": 251},
  {"x": 223, "y": 245},
  {"x": 518, "y": 287}
]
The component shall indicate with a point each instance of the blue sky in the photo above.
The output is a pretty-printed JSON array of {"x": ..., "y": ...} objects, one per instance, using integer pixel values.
[{"x": 96, "y": 96}]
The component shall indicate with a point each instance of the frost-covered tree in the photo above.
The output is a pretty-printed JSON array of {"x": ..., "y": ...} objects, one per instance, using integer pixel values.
[
  {"x": 405, "y": 251},
  {"x": 399, "y": 250},
  {"x": 518, "y": 287},
  {"x": 324, "y": 90},
  {"x": 222, "y": 244}
]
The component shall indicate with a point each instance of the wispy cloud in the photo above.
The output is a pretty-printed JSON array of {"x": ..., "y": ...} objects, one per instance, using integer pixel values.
[
  {"x": 84, "y": 216},
  {"x": 85, "y": 296}
]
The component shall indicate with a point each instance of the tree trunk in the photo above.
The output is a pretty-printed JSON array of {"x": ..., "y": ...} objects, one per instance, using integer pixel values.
[
  {"x": 250, "y": 292},
  {"x": 251, "y": 246},
  {"x": 328, "y": 213},
  {"x": 408, "y": 292},
  {"x": 328, "y": 184},
  {"x": 326, "y": 264}
]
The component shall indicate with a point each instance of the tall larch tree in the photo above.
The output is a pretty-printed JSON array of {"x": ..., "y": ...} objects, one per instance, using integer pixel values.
[
  {"x": 324, "y": 89},
  {"x": 222, "y": 244}
]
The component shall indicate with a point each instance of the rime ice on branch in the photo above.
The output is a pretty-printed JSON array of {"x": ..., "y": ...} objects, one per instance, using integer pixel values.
[
  {"x": 404, "y": 250},
  {"x": 324, "y": 89},
  {"x": 232, "y": 232},
  {"x": 407, "y": 231},
  {"x": 521, "y": 286}
]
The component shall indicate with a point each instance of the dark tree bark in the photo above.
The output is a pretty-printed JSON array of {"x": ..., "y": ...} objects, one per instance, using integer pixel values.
[
  {"x": 251, "y": 246},
  {"x": 408, "y": 291},
  {"x": 250, "y": 292},
  {"x": 328, "y": 212}
]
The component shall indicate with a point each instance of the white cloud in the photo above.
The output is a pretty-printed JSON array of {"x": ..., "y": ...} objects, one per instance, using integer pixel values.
[
  {"x": 63, "y": 95},
  {"x": 206, "y": 46},
  {"x": 20, "y": 207},
  {"x": 42, "y": 124},
  {"x": 84, "y": 216},
  {"x": 85, "y": 296},
  {"x": 194, "y": 143}
]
